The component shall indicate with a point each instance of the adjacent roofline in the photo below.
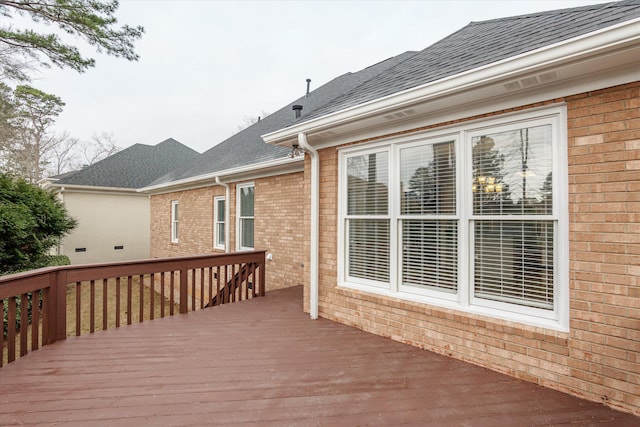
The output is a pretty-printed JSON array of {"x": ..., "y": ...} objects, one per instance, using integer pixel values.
[
  {"x": 253, "y": 171},
  {"x": 92, "y": 189},
  {"x": 606, "y": 41}
]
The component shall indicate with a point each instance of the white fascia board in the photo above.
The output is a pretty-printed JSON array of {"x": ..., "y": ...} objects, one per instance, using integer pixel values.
[
  {"x": 603, "y": 42},
  {"x": 254, "y": 171},
  {"x": 92, "y": 189}
]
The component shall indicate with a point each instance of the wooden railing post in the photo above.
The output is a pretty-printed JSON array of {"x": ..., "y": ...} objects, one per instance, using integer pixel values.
[
  {"x": 60, "y": 313},
  {"x": 262, "y": 275},
  {"x": 184, "y": 284}
]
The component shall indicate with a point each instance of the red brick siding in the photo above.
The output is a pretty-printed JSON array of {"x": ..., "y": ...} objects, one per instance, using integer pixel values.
[
  {"x": 600, "y": 357},
  {"x": 279, "y": 227}
]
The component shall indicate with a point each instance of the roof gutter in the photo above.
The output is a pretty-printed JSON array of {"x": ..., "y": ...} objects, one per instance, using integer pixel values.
[
  {"x": 607, "y": 40},
  {"x": 315, "y": 200},
  {"x": 92, "y": 188},
  {"x": 250, "y": 171}
]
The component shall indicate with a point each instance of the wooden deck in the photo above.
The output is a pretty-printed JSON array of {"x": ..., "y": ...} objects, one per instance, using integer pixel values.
[{"x": 263, "y": 362}]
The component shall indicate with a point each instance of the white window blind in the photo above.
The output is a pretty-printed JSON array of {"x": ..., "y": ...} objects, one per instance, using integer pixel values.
[
  {"x": 219, "y": 222},
  {"x": 368, "y": 216},
  {"x": 246, "y": 217},
  {"x": 512, "y": 177},
  {"x": 428, "y": 198},
  {"x": 174, "y": 221}
]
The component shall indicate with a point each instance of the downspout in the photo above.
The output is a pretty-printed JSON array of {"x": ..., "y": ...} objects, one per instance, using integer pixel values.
[
  {"x": 226, "y": 212},
  {"x": 315, "y": 197}
]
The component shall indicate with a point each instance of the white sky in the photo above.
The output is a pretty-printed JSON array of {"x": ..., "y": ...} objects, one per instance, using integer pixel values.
[{"x": 205, "y": 66}]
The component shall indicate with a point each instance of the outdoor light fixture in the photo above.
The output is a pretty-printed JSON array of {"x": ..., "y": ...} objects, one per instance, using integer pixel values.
[{"x": 295, "y": 151}]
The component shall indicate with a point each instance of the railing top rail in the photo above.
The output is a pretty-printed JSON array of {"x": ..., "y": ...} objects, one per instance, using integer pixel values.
[{"x": 127, "y": 268}]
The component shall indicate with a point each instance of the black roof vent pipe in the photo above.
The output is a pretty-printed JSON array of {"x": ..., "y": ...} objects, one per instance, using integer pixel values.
[
  {"x": 308, "y": 84},
  {"x": 298, "y": 110}
]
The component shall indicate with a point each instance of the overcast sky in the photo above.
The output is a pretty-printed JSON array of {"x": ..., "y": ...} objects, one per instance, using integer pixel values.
[{"x": 206, "y": 66}]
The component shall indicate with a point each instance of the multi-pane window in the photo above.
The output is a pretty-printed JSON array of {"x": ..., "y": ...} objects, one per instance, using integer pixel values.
[
  {"x": 174, "y": 221},
  {"x": 469, "y": 218},
  {"x": 219, "y": 223},
  {"x": 245, "y": 216}
]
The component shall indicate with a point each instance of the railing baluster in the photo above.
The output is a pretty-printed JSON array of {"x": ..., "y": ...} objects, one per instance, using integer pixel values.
[
  {"x": 152, "y": 287},
  {"x": 193, "y": 289},
  {"x": 92, "y": 307},
  {"x": 129, "y": 292},
  {"x": 35, "y": 320},
  {"x": 164, "y": 301},
  {"x": 24, "y": 323},
  {"x": 141, "y": 314},
  {"x": 105, "y": 311},
  {"x": 248, "y": 274},
  {"x": 11, "y": 329},
  {"x": 184, "y": 290},
  {"x": 202, "y": 288},
  {"x": 117, "y": 302},
  {"x": 210, "y": 285},
  {"x": 78, "y": 309},
  {"x": 45, "y": 313},
  {"x": 218, "y": 286},
  {"x": 172, "y": 299},
  {"x": 1, "y": 332}
]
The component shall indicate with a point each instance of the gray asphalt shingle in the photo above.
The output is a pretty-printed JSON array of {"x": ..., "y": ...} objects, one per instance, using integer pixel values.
[
  {"x": 247, "y": 147},
  {"x": 483, "y": 43},
  {"x": 134, "y": 167}
]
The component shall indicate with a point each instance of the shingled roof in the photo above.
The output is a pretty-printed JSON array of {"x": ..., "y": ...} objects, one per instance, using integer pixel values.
[
  {"x": 482, "y": 43},
  {"x": 133, "y": 167},
  {"x": 247, "y": 146}
]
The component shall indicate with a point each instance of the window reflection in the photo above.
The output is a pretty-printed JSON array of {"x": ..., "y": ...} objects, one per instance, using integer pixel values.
[{"x": 512, "y": 172}]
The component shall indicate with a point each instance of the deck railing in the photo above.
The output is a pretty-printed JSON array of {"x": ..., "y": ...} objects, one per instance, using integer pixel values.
[{"x": 36, "y": 306}]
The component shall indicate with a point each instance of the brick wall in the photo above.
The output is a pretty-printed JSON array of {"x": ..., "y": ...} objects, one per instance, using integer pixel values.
[
  {"x": 279, "y": 226},
  {"x": 599, "y": 358}
]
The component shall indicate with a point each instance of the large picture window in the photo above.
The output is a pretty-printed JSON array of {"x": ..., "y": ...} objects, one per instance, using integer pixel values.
[
  {"x": 469, "y": 218},
  {"x": 245, "y": 216}
]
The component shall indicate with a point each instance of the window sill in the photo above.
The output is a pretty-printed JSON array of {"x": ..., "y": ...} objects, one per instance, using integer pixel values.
[{"x": 419, "y": 303}]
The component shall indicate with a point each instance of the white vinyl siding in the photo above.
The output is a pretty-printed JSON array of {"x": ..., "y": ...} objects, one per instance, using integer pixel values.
[
  {"x": 468, "y": 217},
  {"x": 219, "y": 222}
]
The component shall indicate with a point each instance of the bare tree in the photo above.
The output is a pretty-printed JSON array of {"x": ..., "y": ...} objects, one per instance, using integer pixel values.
[{"x": 249, "y": 120}]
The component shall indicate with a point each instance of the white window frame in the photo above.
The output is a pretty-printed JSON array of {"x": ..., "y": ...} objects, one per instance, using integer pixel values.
[
  {"x": 239, "y": 217},
  {"x": 217, "y": 243},
  {"x": 556, "y": 319},
  {"x": 174, "y": 221}
]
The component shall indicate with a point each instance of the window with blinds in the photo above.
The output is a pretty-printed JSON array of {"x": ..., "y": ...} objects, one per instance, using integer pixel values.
[
  {"x": 367, "y": 219},
  {"x": 427, "y": 203},
  {"x": 512, "y": 178},
  {"x": 219, "y": 222},
  {"x": 174, "y": 221},
  {"x": 471, "y": 217},
  {"x": 246, "y": 215}
]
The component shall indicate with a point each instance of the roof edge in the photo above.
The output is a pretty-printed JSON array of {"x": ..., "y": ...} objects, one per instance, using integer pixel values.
[
  {"x": 587, "y": 45},
  {"x": 277, "y": 167}
]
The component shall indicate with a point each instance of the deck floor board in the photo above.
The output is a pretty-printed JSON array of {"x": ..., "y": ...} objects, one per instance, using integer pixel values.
[{"x": 263, "y": 362}]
